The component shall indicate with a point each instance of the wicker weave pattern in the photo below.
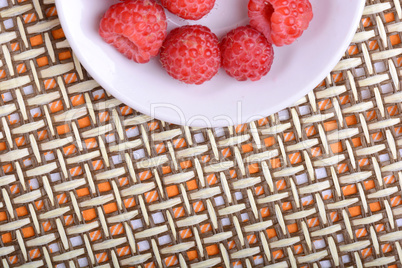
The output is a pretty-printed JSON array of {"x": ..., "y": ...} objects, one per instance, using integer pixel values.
[{"x": 87, "y": 181}]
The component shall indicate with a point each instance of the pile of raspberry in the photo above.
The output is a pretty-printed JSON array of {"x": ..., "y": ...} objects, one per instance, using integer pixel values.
[{"x": 193, "y": 54}]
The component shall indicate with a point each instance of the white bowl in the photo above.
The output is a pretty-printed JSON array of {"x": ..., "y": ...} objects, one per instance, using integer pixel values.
[{"x": 223, "y": 101}]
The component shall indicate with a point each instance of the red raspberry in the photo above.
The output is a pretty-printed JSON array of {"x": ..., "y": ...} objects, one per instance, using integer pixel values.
[
  {"x": 135, "y": 28},
  {"x": 191, "y": 54},
  {"x": 246, "y": 54},
  {"x": 189, "y": 9},
  {"x": 281, "y": 21}
]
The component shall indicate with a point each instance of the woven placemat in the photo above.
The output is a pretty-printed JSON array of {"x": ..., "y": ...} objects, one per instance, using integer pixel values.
[{"x": 88, "y": 181}]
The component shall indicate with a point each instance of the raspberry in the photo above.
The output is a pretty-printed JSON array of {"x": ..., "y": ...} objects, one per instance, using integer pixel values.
[
  {"x": 189, "y": 9},
  {"x": 135, "y": 28},
  {"x": 246, "y": 54},
  {"x": 281, "y": 21},
  {"x": 191, "y": 54}
]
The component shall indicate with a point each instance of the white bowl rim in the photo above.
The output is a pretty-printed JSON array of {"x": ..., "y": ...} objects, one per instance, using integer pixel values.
[{"x": 268, "y": 111}]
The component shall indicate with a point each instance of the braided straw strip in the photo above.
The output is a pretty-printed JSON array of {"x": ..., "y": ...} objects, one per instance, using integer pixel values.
[{"x": 87, "y": 181}]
